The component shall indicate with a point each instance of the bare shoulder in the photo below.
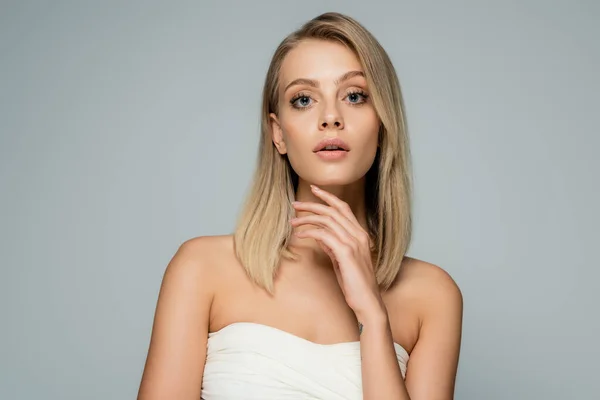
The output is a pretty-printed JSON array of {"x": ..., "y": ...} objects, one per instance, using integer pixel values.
[
  {"x": 205, "y": 251},
  {"x": 427, "y": 283},
  {"x": 209, "y": 246},
  {"x": 196, "y": 261},
  {"x": 212, "y": 256},
  {"x": 422, "y": 295},
  {"x": 175, "y": 360},
  {"x": 436, "y": 307},
  {"x": 424, "y": 285}
]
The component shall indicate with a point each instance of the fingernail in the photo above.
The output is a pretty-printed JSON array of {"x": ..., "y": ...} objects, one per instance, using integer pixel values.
[{"x": 313, "y": 187}]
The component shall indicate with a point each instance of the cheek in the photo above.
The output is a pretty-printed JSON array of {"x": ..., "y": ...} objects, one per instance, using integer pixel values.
[
  {"x": 367, "y": 132},
  {"x": 297, "y": 140},
  {"x": 367, "y": 140},
  {"x": 367, "y": 157}
]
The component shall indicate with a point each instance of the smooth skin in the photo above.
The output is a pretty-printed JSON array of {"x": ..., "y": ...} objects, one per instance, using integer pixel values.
[{"x": 322, "y": 297}]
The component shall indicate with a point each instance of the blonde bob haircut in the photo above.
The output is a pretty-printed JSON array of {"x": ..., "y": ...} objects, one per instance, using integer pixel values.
[{"x": 263, "y": 232}]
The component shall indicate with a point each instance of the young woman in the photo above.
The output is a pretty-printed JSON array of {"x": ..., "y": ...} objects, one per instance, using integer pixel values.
[{"x": 312, "y": 297}]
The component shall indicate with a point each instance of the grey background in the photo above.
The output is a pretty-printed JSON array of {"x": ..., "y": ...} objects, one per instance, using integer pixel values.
[{"x": 129, "y": 127}]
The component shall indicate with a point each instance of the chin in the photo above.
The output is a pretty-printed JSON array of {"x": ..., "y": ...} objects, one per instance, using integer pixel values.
[
  {"x": 336, "y": 180},
  {"x": 333, "y": 174}
]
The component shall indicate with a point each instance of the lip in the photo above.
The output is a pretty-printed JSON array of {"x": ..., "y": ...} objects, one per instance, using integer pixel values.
[
  {"x": 331, "y": 142},
  {"x": 331, "y": 155}
]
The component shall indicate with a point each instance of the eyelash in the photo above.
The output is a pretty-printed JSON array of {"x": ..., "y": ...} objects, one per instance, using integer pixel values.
[{"x": 302, "y": 95}]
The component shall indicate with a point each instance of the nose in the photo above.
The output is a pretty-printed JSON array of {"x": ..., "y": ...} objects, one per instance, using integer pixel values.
[{"x": 331, "y": 119}]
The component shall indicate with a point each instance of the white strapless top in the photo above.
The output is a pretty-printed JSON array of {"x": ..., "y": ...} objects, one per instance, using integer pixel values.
[{"x": 247, "y": 360}]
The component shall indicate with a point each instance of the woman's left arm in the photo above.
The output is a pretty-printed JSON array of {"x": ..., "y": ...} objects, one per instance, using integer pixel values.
[
  {"x": 431, "y": 370},
  {"x": 433, "y": 362}
]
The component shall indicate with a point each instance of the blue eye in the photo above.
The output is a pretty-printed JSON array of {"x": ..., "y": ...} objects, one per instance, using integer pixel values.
[
  {"x": 356, "y": 96},
  {"x": 302, "y": 99}
]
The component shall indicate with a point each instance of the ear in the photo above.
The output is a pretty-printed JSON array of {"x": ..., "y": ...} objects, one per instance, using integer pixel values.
[{"x": 277, "y": 134}]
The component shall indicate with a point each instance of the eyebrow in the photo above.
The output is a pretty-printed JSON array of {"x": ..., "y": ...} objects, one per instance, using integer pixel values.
[{"x": 315, "y": 84}]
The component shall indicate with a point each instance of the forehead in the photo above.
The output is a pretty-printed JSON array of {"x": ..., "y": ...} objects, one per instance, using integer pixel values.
[{"x": 318, "y": 59}]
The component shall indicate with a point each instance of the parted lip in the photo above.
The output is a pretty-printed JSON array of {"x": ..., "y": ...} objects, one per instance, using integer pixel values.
[{"x": 331, "y": 142}]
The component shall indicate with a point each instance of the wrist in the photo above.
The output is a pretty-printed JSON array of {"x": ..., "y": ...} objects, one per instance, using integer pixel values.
[
  {"x": 374, "y": 318},
  {"x": 375, "y": 331}
]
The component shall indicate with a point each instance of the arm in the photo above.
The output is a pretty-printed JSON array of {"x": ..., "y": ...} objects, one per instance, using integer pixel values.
[
  {"x": 176, "y": 357},
  {"x": 381, "y": 375},
  {"x": 433, "y": 361},
  {"x": 433, "y": 364}
]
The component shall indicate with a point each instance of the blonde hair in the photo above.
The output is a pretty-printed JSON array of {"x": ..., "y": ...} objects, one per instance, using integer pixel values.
[{"x": 263, "y": 231}]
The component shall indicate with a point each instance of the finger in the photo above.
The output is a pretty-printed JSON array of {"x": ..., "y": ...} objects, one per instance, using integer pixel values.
[
  {"x": 340, "y": 250},
  {"x": 335, "y": 265},
  {"x": 325, "y": 222},
  {"x": 322, "y": 209},
  {"x": 335, "y": 202},
  {"x": 329, "y": 252},
  {"x": 355, "y": 230}
]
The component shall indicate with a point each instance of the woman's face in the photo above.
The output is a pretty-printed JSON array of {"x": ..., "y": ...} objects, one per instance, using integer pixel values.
[{"x": 324, "y": 95}]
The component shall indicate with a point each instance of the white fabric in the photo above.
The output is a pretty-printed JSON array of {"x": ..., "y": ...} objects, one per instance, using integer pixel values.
[{"x": 253, "y": 361}]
